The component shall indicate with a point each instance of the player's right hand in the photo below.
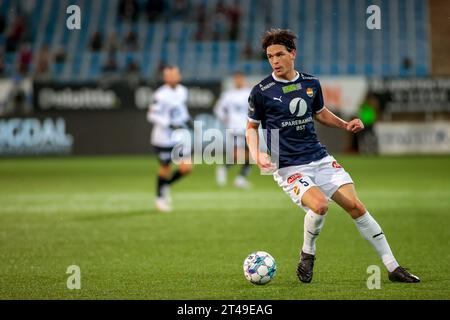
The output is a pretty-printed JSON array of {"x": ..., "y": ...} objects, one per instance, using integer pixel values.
[
  {"x": 264, "y": 162},
  {"x": 355, "y": 126}
]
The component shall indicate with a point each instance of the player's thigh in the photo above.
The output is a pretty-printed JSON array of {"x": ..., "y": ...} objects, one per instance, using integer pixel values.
[
  {"x": 239, "y": 149},
  {"x": 240, "y": 155},
  {"x": 164, "y": 155},
  {"x": 348, "y": 200},
  {"x": 297, "y": 185},
  {"x": 330, "y": 176},
  {"x": 186, "y": 163},
  {"x": 247, "y": 153},
  {"x": 164, "y": 170},
  {"x": 315, "y": 200},
  {"x": 164, "y": 160}
]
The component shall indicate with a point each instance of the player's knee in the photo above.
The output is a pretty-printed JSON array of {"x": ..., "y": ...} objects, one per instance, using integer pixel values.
[
  {"x": 320, "y": 206},
  {"x": 186, "y": 169},
  {"x": 164, "y": 171},
  {"x": 356, "y": 209}
]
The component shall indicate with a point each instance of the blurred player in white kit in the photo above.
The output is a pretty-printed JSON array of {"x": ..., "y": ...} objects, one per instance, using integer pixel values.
[
  {"x": 167, "y": 113},
  {"x": 231, "y": 109}
]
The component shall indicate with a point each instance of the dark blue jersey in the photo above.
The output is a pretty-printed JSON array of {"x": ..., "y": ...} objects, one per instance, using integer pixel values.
[{"x": 289, "y": 107}]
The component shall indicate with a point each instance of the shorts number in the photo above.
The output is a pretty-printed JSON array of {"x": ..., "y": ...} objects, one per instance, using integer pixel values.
[{"x": 303, "y": 182}]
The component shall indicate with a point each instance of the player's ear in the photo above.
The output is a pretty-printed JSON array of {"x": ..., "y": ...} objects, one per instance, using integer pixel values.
[{"x": 293, "y": 53}]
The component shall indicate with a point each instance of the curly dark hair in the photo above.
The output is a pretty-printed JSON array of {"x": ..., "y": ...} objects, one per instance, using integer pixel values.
[{"x": 283, "y": 37}]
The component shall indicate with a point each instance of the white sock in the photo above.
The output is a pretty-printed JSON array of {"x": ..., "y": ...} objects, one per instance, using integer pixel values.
[
  {"x": 311, "y": 229},
  {"x": 372, "y": 232}
]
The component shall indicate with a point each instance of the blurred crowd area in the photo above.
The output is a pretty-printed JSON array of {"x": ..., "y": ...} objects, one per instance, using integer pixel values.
[
  {"x": 217, "y": 22},
  {"x": 207, "y": 39}
]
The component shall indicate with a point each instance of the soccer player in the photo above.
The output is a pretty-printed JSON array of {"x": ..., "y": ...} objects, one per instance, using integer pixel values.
[
  {"x": 169, "y": 112},
  {"x": 289, "y": 101},
  {"x": 231, "y": 109}
]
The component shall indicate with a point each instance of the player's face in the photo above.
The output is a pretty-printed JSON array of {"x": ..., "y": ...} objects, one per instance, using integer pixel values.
[
  {"x": 281, "y": 60},
  {"x": 172, "y": 76},
  {"x": 239, "y": 80}
]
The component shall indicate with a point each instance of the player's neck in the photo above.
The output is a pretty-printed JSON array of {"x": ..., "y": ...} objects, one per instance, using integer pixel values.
[{"x": 288, "y": 77}]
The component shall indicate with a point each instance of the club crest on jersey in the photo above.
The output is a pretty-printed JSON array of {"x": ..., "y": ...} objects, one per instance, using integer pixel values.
[
  {"x": 296, "y": 190},
  {"x": 310, "y": 92},
  {"x": 336, "y": 165},
  {"x": 293, "y": 178},
  {"x": 299, "y": 106}
]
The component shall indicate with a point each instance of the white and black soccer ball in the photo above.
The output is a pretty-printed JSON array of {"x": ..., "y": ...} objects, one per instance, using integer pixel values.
[{"x": 259, "y": 267}]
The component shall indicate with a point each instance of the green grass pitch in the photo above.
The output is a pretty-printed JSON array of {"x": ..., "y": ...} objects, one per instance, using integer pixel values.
[{"x": 97, "y": 213}]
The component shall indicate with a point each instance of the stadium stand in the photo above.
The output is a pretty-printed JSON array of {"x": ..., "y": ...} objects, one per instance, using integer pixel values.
[{"x": 210, "y": 38}]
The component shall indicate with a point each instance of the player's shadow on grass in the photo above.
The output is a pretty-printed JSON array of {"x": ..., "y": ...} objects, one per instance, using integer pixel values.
[{"x": 116, "y": 215}]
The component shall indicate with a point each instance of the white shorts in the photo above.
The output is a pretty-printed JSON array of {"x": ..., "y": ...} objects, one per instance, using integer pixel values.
[{"x": 326, "y": 174}]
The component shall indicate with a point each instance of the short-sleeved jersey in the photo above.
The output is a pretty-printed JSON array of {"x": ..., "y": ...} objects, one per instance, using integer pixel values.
[
  {"x": 231, "y": 108},
  {"x": 168, "y": 108},
  {"x": 289, "y": 106}
]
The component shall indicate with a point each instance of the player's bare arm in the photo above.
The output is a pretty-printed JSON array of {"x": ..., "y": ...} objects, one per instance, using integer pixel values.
[
  {"x": 328, "y": 118},
  {"x": 262, "y": 159}
]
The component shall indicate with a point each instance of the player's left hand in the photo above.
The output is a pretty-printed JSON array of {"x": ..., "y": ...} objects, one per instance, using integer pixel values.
[{"x": 355, "y": 126}]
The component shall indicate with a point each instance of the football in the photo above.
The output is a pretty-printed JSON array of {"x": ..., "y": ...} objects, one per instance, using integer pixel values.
[{"x": 259, "y": 267}]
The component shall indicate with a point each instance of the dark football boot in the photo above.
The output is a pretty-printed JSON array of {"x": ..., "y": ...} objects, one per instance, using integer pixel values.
[
  {"x": 401, "y": 275},
  {"x": 305, "y": 267}
]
